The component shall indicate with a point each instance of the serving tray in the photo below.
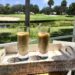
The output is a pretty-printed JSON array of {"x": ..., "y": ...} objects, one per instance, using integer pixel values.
[{"x": 56, "y": 60}]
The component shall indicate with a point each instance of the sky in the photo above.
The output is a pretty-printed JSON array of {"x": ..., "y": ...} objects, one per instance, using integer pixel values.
[{"x": 40, "y": 3}]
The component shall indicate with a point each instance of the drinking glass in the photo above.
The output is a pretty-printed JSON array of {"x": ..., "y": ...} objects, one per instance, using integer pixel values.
[
  {"x": 23, "y": 41},
  {"x": 43, "y": 39}
]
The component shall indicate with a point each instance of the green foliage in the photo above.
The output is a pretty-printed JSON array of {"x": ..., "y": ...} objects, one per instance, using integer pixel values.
[
  {"x": 56, "y": 28},
  {"x": 50, "y": 3},
  {"x": 63, "y": 6},
  {"x": 58, "y": 10},
  {"x": 7, "y": 9},
  {"x": 1, "y": 9},
  {"x": 71, "y": 10},
  {"x": 19, "y": 8},
  {"x": 36, "y": 9},
  {"x": 4, "y": 37},
  {"x": 64, "y": 3},
  {"x": 62, "y": 32},
  {"x": 46, "y": 10}
]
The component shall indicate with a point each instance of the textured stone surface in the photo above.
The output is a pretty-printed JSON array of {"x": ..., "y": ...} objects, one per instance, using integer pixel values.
[{"x": 57, "y": 61}]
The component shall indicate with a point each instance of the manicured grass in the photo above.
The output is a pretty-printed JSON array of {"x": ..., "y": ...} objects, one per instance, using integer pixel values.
[
  {"x": 8, "y": 30},
  {"x": 42, "y": 17},
  {"x": 56, "y": 29},
  {"x": 56, "y": 26},
  {"x": 33, "y": 31},
  {"x": 50, "y": 17},
  {"x": 9, "y": 34}
]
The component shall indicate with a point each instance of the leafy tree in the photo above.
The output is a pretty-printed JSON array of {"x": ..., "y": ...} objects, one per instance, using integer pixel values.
[
  {"x": 64, "y": 3},
  {"x": 34, "y": 8},
  {"x": 71, "y": 9},
  {"x": 63, "y": 6},
  {"x": 17, "y": 8},
  {"x": 46, "y": 10},
  {"x": 50, "y": 3},
  {"x": 31, "y": 7},
  {"x": 7, "y": 8},
  {"x": 57, "y": 9},
  {"x": 1, "y": 9}
]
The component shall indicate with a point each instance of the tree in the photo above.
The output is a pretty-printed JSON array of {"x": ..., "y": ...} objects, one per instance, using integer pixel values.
[
  {"x": 31, "y": 7},
  {"x": 17, "y": 8},
  {"x": 34, "y": 8},
  {"x": 63, "y": 6},
  {"x": 71, "y": 9},
  {"x": 57, "y": 9},
  {"x": 1, "y": 9},
  {"x": 50, "y": 3},
  {"x": 46, "y": 10},
  {"x": 6, "y": 9}
]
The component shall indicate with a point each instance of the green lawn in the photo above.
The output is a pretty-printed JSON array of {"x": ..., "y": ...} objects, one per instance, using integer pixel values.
[
  {"x": 42, "y": 17},
  {"x": 57, "y": 27},
  {"x": 9, "y": 34},
  {"x": 8, "y": 30},
  {"x": 34, "y": 30}
]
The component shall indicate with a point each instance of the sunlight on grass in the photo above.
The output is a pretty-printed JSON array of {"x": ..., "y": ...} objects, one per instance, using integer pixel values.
[
  {"x": 8, "y": 30},
  {"x": 55, "y": 29},
  {"x": 42, "y": 17}
]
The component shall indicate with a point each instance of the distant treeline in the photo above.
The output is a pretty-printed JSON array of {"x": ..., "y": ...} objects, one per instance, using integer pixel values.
[
  {"x": 34, "y": 9},
  {"x": 19, "y": 8}
]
